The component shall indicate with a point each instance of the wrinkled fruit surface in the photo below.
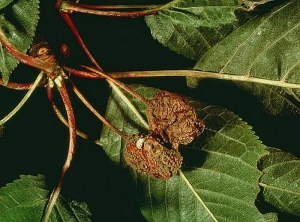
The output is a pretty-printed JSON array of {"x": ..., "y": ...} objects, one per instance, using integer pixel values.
[
  {"x": 43, "y": 51},
  {"x": 147, "y": 155},
  {"x": 173, "y": 118}
]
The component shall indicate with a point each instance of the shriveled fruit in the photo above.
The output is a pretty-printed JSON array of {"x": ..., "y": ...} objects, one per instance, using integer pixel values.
[
  {"x": 173, "y": 118},
  {"x": 43, "y": 51},
  {"x": 147, "y": 155}
]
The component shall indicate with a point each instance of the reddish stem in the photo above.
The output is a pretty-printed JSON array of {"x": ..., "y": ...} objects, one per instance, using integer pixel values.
[
  {"x": 120, "y": 84},
  {"x": 95, "y": 74},
  {"x": 59, "y": 115},
  {"x": 46, "y": 67},
  {"x": 71, "y": 121},
  {"x": 19, "y": 86},
  {"x": 72, "y": 140},
  {"x": 96, "y": 113},
  {"x": 70, "y": 7},
  {"x": 73, "y": 28}
]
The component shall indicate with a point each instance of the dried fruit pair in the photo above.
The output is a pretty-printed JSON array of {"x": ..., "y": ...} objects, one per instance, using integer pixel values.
[
  {"x": 173, "y": 118},
  {"x": 146, "y": 154}
]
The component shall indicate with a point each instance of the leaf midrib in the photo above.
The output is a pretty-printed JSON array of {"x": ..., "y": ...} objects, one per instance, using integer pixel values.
[{"x": 254, "y": 32}]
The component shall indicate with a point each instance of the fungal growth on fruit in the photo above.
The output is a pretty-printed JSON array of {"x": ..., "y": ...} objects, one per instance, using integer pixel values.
[
  {"x": 173, "y": 118},
  {"x": 147, "y": 155},
  {"x": 43, "y": 51}
]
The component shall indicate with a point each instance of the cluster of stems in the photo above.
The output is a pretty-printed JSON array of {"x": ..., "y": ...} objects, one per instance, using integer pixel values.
[
  {"x": 55, "y": 73},
  {"x": 52, "y": 71}
]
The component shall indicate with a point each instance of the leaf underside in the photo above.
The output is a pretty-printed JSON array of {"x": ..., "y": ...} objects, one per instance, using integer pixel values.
[
  {"x": 266, "y": 47},
  {"x": 281, "y": 181},
  {"x": 25, "y": 200},
  {"x": 219, "y": 167},
  {"x": 192, "y": 27},
  {"x": 18, "y": 21}
]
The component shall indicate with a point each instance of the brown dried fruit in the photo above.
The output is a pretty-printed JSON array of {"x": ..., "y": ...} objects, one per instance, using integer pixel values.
[
  {"x": 147, "y": 155},
  {"x": 65, "y": 50},
  {"x": 43, "y": 51},
  {"x": 173, "y": 118}
]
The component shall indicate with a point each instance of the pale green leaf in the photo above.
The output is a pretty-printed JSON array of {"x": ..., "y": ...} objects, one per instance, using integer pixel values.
[
  {"x": 219, "y": 179},
  {"x": 192, "y": 27},
  {"x": 18, "y": 21},
  {"x": 264, "y": 48},
  {"x": 25, "y": 200},
  {"x": 281, "y": 181}
]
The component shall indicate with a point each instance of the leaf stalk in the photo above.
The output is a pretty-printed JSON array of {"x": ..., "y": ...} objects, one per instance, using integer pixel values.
[
  {"x": 110, "y": 10},
  {"x": 204, "y": 75}
]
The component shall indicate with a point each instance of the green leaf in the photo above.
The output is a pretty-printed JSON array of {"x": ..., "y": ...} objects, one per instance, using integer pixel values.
[
  {"x": 25, "y": 200},
  {"x": 285, "y": 103},
  {"x": 281, "y": 181},
  {"x": 4, "y": 3},
  {"x": 265, "y": 48},
  {"x": 219, "y": 179},
  {"x": 192, "y": 27},
  {"x": 19, "y": 21}
]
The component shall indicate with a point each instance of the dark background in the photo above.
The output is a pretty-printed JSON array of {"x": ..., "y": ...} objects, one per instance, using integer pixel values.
[{"x": 35, "y": 142}]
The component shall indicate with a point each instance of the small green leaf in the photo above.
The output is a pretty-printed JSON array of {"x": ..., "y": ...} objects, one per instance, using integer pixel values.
[
  {"x": 219, "y": 179},
  {"x": 281, "y": 181},
  {"x": 192, "y": 27},
  {"x": 264, "y": 48},
  {"x": 25, "y": 200},
  {"x": 18, "y": 21}
]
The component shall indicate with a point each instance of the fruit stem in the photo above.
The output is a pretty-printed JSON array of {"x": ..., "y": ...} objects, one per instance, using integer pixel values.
[
  {"x": 59, "y": 114},
  {"x": 101, "y": 75},
  {"x": 120, "y": 84},
  {"x": 96, "y": 113},
  {"x": 19, "y": 86},
  {"x": 23, "y": 101},
  {"x": 73, "y": 28},
  {"x": 72, "y": 140}
]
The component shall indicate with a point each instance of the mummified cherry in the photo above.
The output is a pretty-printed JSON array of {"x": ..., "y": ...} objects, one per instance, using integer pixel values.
[
  {"x": 173, "y": 118},
  {"x": 147, "y": 155},
  {"x": 43, "y": 51}
]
